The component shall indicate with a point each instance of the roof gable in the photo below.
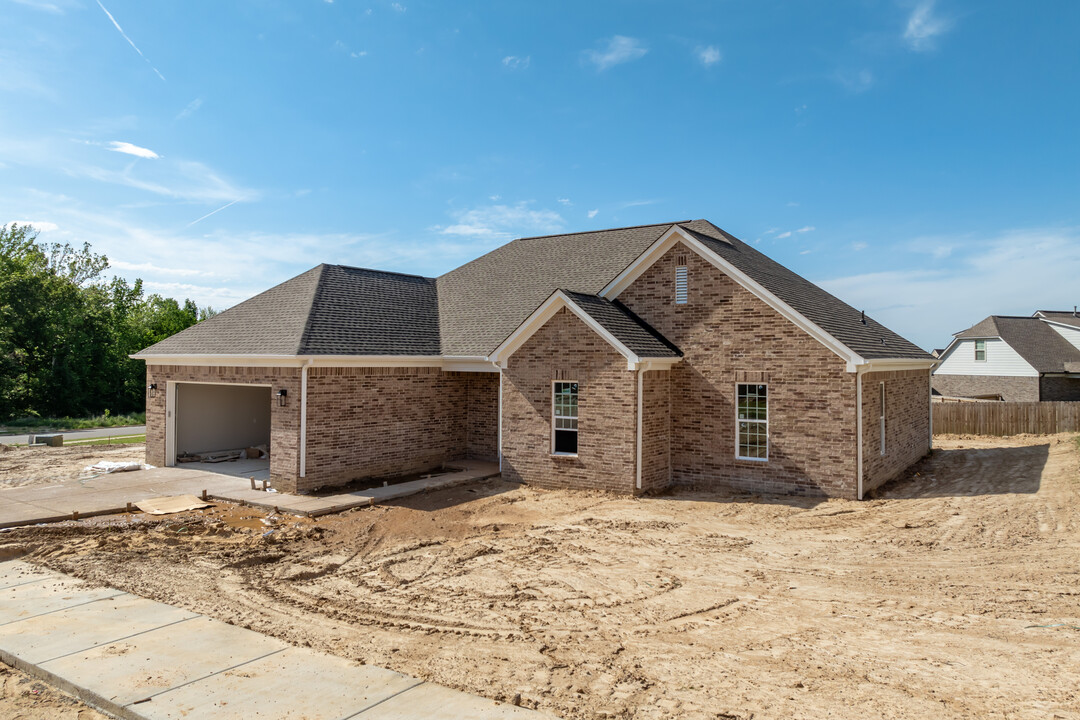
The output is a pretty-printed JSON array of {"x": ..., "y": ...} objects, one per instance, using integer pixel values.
[
  {"x": 1036, "y": 342},
  {"x": 619, "y": 327}
]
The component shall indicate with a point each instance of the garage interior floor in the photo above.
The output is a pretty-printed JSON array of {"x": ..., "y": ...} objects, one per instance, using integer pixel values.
[{"x": 258, "y": 468}]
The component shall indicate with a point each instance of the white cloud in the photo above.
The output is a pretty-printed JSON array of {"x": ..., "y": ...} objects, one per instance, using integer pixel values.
[
  {"x": 514, "y": 62},
  {"x": 564, "y": 201},
  {"x": 923, "y": 26},
  {"x": 857, "y": 246},
  {"x": 709, "y": 56},
  {"x": 130, "y": 41},
  {"x": 399, "y": 7},
  {"x": 783, "y": 235},
  {"x": 620, "y": 49},
  {"x": 182, "y": 180},
  {"x": 927, "y": 306},
  {"x": 500, "y": 222},
  {"x": 592, "y": 213},
  {"x": 190, "y": 109},
  {"x": 39, "y": 225},
  {"x": 46, "y": 6},
  {"x": 856, "y": 81},
  {"x": 148, "y": 267},
  {"x": 805, "y": 252},
  {"x": 129, "y": 149},
  {"x": 637, "y": 203},
  {"x": 495, "y": 198},
  {"x": 806, "y": 229}
]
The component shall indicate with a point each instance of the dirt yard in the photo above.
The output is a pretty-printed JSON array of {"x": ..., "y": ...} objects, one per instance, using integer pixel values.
[
  {"x": 918, "y": 603},
  {"x": 25, "y": 698},
  {"x": 20, "y": 466}
]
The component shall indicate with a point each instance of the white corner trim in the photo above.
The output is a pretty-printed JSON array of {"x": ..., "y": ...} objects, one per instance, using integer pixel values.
[
  {"x": 545, "y": 312},
  {"x": 675, "y": 235}
]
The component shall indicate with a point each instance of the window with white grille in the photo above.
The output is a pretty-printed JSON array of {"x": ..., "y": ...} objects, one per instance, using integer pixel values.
[
  {"x": 752, "y": 418},
  {"x": 564, "y": 416},
  {"x": 882, "y": 418},
  {"x": 680, "y": 280}
]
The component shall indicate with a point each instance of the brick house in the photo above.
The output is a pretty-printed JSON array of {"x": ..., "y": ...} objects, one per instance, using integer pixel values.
[
  {"x": 628, "y": 360},
  {"x": 1014, "y": 358}
]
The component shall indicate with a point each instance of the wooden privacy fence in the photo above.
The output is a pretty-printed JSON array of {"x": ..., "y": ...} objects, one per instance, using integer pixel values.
[{"x": 1006, "y": 418}]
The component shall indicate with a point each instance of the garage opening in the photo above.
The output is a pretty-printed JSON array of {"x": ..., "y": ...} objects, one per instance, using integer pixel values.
[{"x": 223, "y": 425}]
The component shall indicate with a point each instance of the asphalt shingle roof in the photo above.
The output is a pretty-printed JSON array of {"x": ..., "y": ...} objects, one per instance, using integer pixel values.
[
  {"x": 1065, "y": 317},
  {"x": 625, "y": 326},
  {"x": 1035, "y": 341},
  {"x": 339, "y": 310}
]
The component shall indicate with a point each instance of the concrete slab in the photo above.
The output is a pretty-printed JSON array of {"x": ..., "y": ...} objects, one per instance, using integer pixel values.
[
  {"x": 22, "y": 602},
  {"x": 142, "y": 660},
  {"x": 320, "y": 687},
  {"x": 20, "y": 573},
  {"x": 77, "y": 629},
  {"x": 435, "y": 702},
  {"x": 19, "y": 513},
  {"x": 125, "y": 671}
]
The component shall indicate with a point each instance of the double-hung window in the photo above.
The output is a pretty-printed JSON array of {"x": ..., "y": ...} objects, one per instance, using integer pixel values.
[
  {"x": 882, "y": 419},
  {"x": 564, "y": 418},
  {"x": 752, "y": 420},
  {"x": 980, "y": 351}
]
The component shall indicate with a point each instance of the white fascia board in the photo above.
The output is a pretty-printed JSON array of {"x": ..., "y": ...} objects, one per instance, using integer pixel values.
[
  {"x": 545, "y": 312},
  {"x": 1067, "y": 326},
  {"x": 457, "y": 363},
  {"x": 888, "y": 364},
  {"x": 676, "y": 235}
]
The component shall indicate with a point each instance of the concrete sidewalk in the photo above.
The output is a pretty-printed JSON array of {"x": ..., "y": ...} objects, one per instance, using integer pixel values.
[
  {"x": 71, "y": 436},
  {"x": 110, "y": 494},
  {"x": 143, "y": 660}
]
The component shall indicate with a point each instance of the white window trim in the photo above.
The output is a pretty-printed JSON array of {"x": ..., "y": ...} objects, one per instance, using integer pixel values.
[
  {"x": 682, "y": 273},
  {"x": 552, "y": 446},
  {"x": 977, "y": 351},
  {"x": 882, "y": 418},
  {"x": 768, "y": 412}
]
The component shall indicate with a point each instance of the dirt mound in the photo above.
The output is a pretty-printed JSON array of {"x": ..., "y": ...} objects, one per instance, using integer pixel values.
[{"x": 919, "y": 603}]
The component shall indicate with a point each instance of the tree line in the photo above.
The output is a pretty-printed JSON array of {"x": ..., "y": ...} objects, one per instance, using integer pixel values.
[{"x": 66, "y": 332}]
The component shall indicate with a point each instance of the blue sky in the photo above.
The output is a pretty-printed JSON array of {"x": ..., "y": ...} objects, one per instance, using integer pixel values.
[{"x": 918, "y": 159}]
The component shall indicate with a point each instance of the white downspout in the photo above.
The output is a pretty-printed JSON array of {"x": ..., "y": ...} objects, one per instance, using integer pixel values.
[
  {"x": 640, "y": 386},
  {"x": 303, "y": 417},
  {"x": 498, "y": 426},
  {"x": 859, "y": 427},
  {"x": 931, "y": 445}
]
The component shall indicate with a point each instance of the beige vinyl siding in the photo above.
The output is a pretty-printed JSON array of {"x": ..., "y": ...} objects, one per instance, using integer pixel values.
[{"x": 1001, "y": 361}]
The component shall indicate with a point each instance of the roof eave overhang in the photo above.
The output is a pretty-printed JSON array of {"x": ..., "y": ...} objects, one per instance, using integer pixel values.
[
  {"x": 458, "y": 363},
  {"x": 556, "y": 302},
  {"x": 677, "y": 234}
]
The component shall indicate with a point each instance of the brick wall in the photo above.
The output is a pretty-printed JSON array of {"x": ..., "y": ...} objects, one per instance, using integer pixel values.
[
  {"x": 284, "y": 421},
  {"x": 907, "y": 424},
  {"x": 1055, "y": 389},
  {"x": 383, "y": 422},
  {"x": 566, "y": 349},
  {"x": 727, "y": 336},
  {"x": 483, "y": 415},
  {"x": 1011, "y": 389},
  {"x": 656, "y": 430}
]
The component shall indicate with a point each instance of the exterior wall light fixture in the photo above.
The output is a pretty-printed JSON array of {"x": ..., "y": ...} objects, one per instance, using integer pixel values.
[
  {"x": 282, "y": 397},
  {"x": 151, "y": 389}
]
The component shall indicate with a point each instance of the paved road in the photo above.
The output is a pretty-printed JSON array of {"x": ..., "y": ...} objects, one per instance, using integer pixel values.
[{"x": 72, "y": 435}]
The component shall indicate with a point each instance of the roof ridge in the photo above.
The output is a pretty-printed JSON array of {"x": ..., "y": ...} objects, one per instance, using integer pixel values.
[
  {"x": 377, "y": 270},
  {"x": 302, "y": 343},
  {"x": 590, "y": 232}
]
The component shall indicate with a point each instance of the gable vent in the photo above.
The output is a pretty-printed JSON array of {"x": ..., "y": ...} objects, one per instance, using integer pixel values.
[{"x": 680, "y": 282}]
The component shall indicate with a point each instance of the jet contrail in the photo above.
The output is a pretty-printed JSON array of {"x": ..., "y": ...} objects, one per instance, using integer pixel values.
[
  {"x": 211, "y": 213},
  {"x": 124, "y": 34}
]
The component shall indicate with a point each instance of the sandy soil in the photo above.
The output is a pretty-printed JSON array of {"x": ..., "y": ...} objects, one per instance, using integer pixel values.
[
  {"x": 25, "y": 698},
  {"x": 918, "y": 603},
  {"x": 20, "y": 466}
]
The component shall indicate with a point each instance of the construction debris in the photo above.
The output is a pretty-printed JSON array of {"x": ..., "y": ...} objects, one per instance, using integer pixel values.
[{"x": 169, "y": 505}]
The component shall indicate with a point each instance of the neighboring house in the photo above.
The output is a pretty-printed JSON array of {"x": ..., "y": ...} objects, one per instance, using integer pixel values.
[
  {"x": 627, "y": 360},
  {"x": 1016, "y": 359}
]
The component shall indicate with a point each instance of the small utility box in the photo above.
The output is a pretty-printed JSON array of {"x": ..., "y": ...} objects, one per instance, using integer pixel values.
[{"x": 50, "y": 440}]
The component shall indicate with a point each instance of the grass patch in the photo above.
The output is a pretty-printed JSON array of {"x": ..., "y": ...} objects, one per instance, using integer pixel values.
[
  {"x": 38, "y": 425},
  {"x": 115, "y": 440}
]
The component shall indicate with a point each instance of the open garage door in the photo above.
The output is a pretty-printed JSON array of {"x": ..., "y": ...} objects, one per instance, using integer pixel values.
[{"x": 217, "y": 418}]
